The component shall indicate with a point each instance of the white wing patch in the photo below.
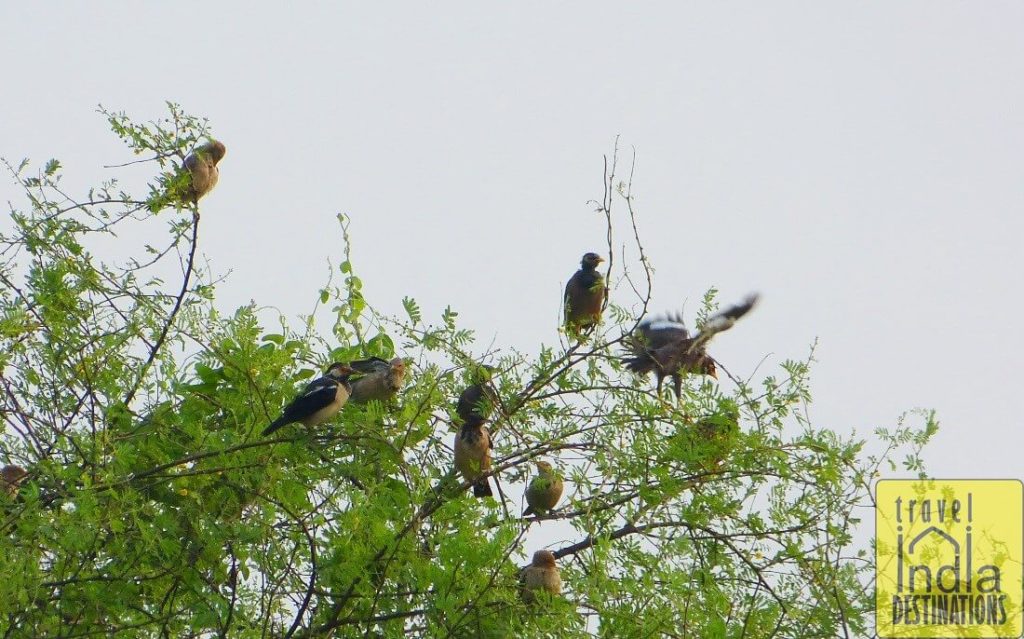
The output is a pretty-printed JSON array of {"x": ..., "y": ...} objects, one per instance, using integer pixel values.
[
  {"x": 327, "y": 386},
  {"x": 664, "y": 324}
]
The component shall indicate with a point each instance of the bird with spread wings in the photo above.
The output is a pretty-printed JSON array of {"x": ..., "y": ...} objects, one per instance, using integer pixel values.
[{"x": 666, "y": 348}]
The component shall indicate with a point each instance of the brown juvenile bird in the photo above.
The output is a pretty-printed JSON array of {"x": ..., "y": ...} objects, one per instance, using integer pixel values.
[
  {"x": 11, "y": 477},
  {"x": 473, "y": 441},
  {"x": 666, "y": 348},
  {"x": 542, "y": 574},
  {"x": 473, "y": 456},
  {"x": 201, "y": 164},
  {"x": 544, "y": 490},
  {"x": 585, "y": 294},
  {"x": 319, "y": 401},
  {"x": 381, "y": 379}
]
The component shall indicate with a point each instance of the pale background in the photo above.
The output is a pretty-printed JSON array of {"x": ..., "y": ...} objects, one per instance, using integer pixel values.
[{"x": 859, "y": 164}]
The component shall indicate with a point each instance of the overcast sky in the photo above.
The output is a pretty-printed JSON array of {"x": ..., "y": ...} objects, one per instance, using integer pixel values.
[{"x": 860, "y": 165}]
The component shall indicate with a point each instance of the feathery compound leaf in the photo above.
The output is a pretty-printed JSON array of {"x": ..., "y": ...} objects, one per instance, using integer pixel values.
[{"x": 412, "y": 309}]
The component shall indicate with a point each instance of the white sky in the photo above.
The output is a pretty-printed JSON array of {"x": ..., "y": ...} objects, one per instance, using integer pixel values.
[{"x": 860, "y": 165}]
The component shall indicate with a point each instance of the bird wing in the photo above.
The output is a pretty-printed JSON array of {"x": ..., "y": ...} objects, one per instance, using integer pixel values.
[
  {"x": 661, "y": 332},
  {"x": 654, "y": 342},
  {"x": 724, "y": 320},
  {"x": 370, "y": 365},
  {"x": 570, "y": 287},
  {"x": 317, "y": 395}
]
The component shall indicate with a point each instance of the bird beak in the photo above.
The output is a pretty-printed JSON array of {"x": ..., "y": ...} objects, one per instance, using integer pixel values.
[{"x": 600, "y": 259}]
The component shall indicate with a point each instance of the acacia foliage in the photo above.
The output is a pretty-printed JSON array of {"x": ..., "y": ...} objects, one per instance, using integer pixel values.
[{"x": 154, "y": 509}]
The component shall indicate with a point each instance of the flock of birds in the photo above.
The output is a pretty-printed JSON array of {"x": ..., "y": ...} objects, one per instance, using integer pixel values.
[{"x": 661, "y": 346}]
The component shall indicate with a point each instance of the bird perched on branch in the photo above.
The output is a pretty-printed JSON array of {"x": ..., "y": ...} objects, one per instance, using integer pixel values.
[
  {"x": 11, "y": 477},
  {"x": 380, "y": 380},
  {"x": 478, "y": 399},
  {"x": 196, "y": 177},
  {"x": 201, "y": 164},
  {"x": 585, "y": 294},
  {"x": 665, "y": 347},
  {"x": 473, "y": 456},
  {"x": 541, "y": 575},
  {"x": 473, "y": 441},
  {"x": 544, "y": 490},
  {"x": 319, "y": 401}
]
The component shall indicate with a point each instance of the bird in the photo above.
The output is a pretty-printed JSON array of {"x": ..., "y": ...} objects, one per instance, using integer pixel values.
[
  {"x": 473, "y": 455},
  {"x": 478, "y": 399},
  {"x": 543, "y": 491},
  {"x": 473, "y": 440},
  {"x": 665, "y": 346},
  {"x": 380, "y": 381},
  {"x": 201, "y": 164},
  {"x": 541, "y": 574},
  {"x": 11, "y": 477},
  {"x": 319, "y": 401},
  {"x": 585, "y": 294}
]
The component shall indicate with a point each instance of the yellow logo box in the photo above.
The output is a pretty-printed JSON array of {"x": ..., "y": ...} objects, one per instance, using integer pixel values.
[{"x": 948, "y": 558}]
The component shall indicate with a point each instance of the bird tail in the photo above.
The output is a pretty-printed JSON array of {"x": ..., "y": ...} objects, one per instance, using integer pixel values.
[
  {"x": 482, "y": 488},
  {"x": 277, "y": 423},
  {"x": 641, "y": 363},
  {"x": 529, "y": 511}
]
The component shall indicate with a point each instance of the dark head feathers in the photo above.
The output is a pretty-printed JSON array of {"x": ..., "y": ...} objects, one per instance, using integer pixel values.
[
  {"x": 214, "y": 148},
  {"x": 590, "y": 261}
]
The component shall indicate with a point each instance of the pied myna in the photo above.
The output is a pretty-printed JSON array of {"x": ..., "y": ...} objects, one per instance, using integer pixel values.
[
  {"x": 319, "y": 401},
  {"x": 380, "y": 380},
  {"x": 585, "y": 294},
  {"x": 541, "y": 575},
  {"x": 11, "y": 477},
  {"x": 201, "y": 164},
  {"x": 544, "y": 490},
  {"x": 665, "y": 347}
]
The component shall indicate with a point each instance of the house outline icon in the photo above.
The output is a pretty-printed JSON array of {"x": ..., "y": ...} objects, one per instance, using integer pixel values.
[{"x": 927, "y": 532}]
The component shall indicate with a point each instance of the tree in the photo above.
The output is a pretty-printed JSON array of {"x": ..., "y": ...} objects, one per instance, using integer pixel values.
[{"x": 152, "y": 507}]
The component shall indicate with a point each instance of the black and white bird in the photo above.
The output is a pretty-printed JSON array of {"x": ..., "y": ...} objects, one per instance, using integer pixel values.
[
  {"x": 665, "y": 346},
  {"x": 319, "y": 401}
]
